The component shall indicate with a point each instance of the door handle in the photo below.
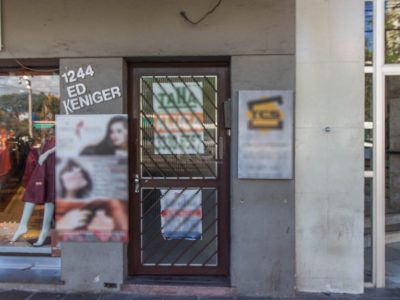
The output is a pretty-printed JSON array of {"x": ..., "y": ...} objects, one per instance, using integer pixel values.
[{"x": 136, "y": 182}]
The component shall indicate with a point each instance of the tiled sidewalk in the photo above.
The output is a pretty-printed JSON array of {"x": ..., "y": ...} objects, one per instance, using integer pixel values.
[{"x": 384, "y": 294}]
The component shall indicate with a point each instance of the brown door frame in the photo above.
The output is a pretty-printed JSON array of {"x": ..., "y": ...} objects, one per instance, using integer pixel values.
[{"x": 135, "y": 71}]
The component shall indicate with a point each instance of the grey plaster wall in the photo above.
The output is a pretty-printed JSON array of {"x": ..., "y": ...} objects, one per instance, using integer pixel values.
[
  {"x": 329, "y": 164},
  {"x": 90, "y": 28},
  {"x": 262, "y": 211},
  {"x": 87, "y": 266}
]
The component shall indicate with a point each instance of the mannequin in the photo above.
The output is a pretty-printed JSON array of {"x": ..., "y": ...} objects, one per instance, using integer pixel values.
[{"x": 40, "y": 189}]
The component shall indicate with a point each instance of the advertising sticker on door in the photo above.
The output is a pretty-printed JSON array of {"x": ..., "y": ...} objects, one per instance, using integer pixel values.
[
  {"x": 178, "y": 118},
  {"x": 91, "y": 178},
  {"x": 181, "y": 214}
]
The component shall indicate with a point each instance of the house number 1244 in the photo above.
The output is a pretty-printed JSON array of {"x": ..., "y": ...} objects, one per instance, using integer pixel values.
[{"x": 72, "y": 75}]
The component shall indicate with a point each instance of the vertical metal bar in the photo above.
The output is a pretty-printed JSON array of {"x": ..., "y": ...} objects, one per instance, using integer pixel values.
[{"x": 378, "y": 264}]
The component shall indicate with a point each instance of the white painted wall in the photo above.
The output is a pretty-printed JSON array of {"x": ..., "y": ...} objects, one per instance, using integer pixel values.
[{"x": 329, "y": 166}]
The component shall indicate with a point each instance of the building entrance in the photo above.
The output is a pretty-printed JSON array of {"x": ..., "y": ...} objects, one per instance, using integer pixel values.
[{"x": 179, "y": 158}]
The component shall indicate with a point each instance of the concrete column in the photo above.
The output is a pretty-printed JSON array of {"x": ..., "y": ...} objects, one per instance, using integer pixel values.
[
  {"x": 329, "y": 145},
  {"x": 262, "y": 211},
  {"x": 88, "y": 266}
]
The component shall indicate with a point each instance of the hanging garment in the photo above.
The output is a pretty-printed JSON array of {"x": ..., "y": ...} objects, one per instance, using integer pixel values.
[
  {"x": 39, "y": 180},
  {"x": 30, "y": 165},
  {"x": 33, "y": 179},
  {"x": 50, "y": 171},
  {"x": 5, "y": 162}
]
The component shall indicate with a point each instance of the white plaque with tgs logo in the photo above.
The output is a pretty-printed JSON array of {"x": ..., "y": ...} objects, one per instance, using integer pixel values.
[{"x": 265, "y": 135}]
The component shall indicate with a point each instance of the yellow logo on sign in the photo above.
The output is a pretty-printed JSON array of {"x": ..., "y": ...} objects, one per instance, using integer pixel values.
[{"x": 265, "y": 114}]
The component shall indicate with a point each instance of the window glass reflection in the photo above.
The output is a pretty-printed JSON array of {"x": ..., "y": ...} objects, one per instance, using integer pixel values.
[
  {"x": 28, "y": 105},
  {"x": 392, "y": 179},
  {"x": 368, "y": 11},
  {"x": 368, "y": 230},
  {"x": 368, "y": 98},
  {"x": 392, "y": 31}
]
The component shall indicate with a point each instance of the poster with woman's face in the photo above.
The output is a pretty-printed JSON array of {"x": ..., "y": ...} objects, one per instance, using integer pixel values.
[
  {"x": 92, "y": 178},
  {"x": 91, "y": 135}
]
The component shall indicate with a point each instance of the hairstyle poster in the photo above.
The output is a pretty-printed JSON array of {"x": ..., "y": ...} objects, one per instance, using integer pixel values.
[{"x": 92, "y": 178}]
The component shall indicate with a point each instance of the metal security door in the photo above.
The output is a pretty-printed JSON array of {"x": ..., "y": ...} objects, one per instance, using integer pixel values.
[{"x": 180, "y": 171}]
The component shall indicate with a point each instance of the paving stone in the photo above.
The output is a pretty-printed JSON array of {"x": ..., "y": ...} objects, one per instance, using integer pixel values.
[
  {"x": 381, "y": 298},
  {"x": 382, "y": 293},
  {"x": 115, "y": 296},
  {"x": 14, "y": 295},
  {"x": 370, "y": 294},
  {"x": 136, "y": 297},
  {"x": 47, "y": 296},
  {"x": 215, "y": 298},
  {"x": 180, "y": 298},
  {"x": 253, "y": 298},
  {"x": 327, "y": 296},
  {"x": 81, "y": 296}
]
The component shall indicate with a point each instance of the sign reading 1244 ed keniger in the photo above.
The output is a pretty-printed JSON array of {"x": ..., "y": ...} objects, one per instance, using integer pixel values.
[
  {"x": 265, "y": 135},
  {"x": 91, "y": 86}
]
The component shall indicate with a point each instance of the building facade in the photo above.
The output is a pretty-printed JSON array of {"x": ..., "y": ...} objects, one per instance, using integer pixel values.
[{"x": 272, "y": 235}]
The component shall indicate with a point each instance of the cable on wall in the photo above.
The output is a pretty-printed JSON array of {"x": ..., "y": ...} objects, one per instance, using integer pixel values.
[
  {"x": 33, "y": 69},
  {"x": 184, "y": 15},
  {"x": 24, "y": 67}
]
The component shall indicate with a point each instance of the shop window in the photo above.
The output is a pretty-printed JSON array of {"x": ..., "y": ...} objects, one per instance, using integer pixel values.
[
  {"x": 368, "y": 140},
  {"x": 368, "y": 32},
  {"x": 29, "y": 102}
]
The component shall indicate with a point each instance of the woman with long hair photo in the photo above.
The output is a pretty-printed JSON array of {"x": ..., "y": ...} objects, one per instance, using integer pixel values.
[{"x": 115, "y": 140}]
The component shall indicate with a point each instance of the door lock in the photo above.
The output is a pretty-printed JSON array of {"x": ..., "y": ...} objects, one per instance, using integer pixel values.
[{"x": 137, "y": 183}]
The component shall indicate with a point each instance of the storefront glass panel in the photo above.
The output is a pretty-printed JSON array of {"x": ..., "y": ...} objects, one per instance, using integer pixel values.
[
  {"x": 368, "y": 26},
  {"x": 368, "y": 230},
  {"x": 28, "y": 105},
  {"x": 392, "y": 178}
]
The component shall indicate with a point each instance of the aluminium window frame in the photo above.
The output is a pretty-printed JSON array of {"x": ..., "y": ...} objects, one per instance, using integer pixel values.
[{"x": 380, "y": 70}]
